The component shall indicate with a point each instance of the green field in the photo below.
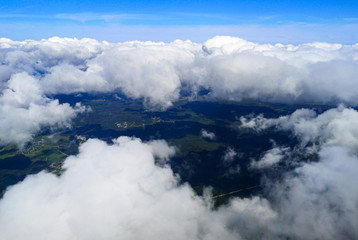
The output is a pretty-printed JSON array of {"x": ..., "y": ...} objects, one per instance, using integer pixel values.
[{"x": 198, "y": 160}]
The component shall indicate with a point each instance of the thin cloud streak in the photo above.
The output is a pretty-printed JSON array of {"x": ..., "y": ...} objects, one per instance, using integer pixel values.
[{"x": 85, "y": 17}]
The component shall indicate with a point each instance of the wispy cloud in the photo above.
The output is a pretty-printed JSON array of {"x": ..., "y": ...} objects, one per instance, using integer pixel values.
[
  {"x": 351, "y": 19},
  {"x": 107, "y": 17},
  {"x": 23, "y": 16}
]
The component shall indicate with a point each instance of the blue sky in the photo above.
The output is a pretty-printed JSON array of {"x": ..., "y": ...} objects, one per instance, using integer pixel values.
[{"x": 260, "y": 21}]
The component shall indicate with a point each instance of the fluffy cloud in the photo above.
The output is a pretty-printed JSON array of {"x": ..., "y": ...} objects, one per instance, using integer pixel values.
[
  {"x": 148, "y": 70},
  {"x": 112, "y": 191},
  {"x": 38, "y": 56},
  {"x": 337, "y": 126},
  {"x": 230, "y": 67},
  {"x": 229, "y": 155},
  {"x": 228, "y": 158},
  {"x": 24, "y": 110},
  {"x": 270, "y": 158},
  {"x": 206, "y": 134},
  {"x": 239, "y": 69},
  {"x": 319, "y": 200}
]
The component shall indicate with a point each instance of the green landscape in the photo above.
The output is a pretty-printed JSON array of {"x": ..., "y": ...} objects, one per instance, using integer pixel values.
[{"x": 198, "y": 160}]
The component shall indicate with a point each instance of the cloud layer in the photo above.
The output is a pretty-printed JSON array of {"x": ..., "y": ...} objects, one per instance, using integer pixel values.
[
  {"x": 120, "y": 191},
  {"x": 317, "y": 200},
  {"x": 157, "y": 72},
  {"x": 230, "y": 67},
  {"x": 112, "y": 191},
  {"x": 337, "y": 126},
  {"x": 25, "y": 110}
]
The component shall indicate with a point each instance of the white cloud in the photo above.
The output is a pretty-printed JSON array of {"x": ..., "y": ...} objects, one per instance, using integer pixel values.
[
  {"x": 161, "y": 151},
  {"x": 257, "y": 123},
  {"x": 231, "y": 67},
  {"x": 317, "y": 200},
  {"x": 229, "y": 155},
  {"x": 320, "y": 200},
  {"x": 270, "y": 158},
  {"x": 111, "y": 191},
  {"x": 24, "y": 110},
  {"x": 140, "y": 69},
  {"x": 337, "y": 126},
  {"x": 33, "y": 56},
  {"x": 239, "y": 69},
  {"x": 206, "y": 134}
]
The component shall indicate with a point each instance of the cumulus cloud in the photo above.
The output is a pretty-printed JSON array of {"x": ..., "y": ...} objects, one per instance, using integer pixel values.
[
  {"x": 24, "y": 110},
  {"x": 240, "y": 69},
  {"x": 320, "y": 200},
  {"x": 317, "y": 200},
  {"x": 112, "y": 191},
  {"x": 232, "y": 68},
  {"x": 270, "y": 158},
  {"x": 337, "y": 126},
  {"x": 148, "y": 70},
  {"x": 161, "y": 151},
  {"x": 206, "y": 134},
  {"x": 229, "y": 155}
]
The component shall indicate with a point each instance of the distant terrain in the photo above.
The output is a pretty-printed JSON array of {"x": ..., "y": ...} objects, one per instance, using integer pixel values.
[{"x": 201, "y": 160}]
